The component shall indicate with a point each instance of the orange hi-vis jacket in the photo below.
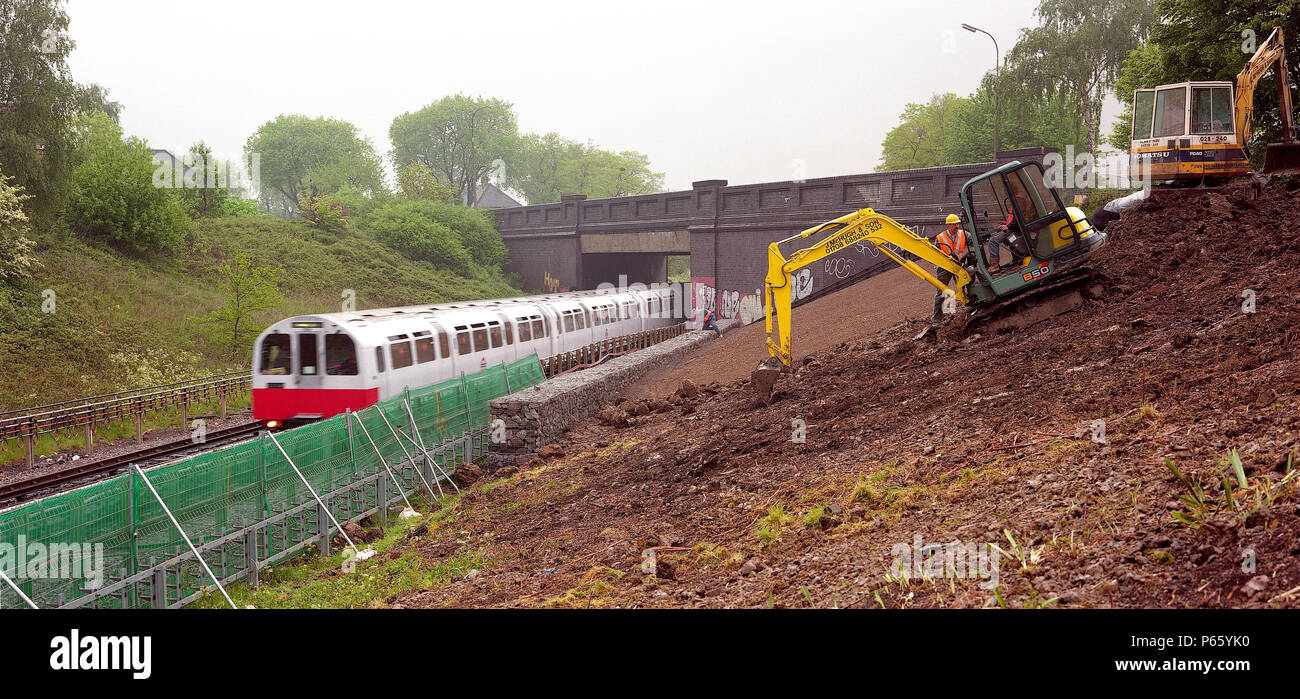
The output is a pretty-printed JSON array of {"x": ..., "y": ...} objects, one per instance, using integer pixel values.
[{"x": 952, "y": 245}]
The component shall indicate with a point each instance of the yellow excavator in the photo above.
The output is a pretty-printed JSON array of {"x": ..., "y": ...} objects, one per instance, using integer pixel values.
[
  {"x": 1198, "y": 131},
  {"x": 1049, "y": 240}
]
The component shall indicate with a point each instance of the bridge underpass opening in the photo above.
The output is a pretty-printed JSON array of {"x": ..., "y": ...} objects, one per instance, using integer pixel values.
[{"x": 609, "y": 267}]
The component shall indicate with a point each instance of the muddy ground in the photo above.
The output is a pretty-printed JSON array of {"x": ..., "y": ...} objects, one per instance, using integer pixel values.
[{"x": 995, "y": 440}]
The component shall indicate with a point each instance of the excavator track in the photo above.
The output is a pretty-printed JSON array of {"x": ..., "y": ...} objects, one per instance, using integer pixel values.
[{"x": 1060, "y": 296}]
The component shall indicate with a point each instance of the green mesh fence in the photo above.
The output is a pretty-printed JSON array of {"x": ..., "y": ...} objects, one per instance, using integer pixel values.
[{"x": 215, "y": 494}]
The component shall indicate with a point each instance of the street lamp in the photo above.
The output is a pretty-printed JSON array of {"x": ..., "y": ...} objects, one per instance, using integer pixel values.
[
  {"x": 997, "y": 73},
  {"x": 473, "y": 181}
]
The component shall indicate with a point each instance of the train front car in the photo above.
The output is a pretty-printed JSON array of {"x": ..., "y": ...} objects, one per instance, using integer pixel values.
[{"x": 307, "y": 368}]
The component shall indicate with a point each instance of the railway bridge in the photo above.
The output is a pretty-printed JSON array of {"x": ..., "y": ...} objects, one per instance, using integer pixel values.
[{"x": 579, "y": 243}]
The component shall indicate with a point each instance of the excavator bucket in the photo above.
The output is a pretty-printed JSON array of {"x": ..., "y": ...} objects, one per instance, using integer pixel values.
[
  {"x": 1282, "y": 159},
  {"x": 764, "y": 378}
]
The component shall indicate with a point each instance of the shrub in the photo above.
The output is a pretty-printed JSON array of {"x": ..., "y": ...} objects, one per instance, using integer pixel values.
[{"x": 407, "y": 227}]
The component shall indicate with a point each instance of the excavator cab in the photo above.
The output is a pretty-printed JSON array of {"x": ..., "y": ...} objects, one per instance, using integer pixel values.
[{"x": 1046, "y": 237}]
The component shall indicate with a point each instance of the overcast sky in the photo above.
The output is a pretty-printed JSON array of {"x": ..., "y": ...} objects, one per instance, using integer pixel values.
[{"x": 742, "y": 91}]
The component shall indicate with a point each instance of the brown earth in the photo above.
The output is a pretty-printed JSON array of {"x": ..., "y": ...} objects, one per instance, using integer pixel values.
[
  {"x": 855, "y": 312},
  {"x": 983, "y": 441}
]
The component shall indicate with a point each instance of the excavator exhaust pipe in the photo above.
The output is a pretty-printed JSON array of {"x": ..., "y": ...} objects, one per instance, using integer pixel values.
[
  {"x": 1282, "y": 159},
  {"x": 764, "y": 378}
]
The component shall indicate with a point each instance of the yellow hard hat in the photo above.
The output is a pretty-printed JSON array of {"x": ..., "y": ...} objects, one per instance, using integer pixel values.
[{"x": 952, "y": 218}]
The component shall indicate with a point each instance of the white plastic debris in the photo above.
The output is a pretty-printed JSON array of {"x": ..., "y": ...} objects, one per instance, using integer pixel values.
[
  {"x": 365, "y": 553},
  {"x": 408, "y": 513}
]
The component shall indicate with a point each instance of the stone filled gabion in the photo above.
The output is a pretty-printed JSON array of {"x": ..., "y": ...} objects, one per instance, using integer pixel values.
[{"x": 538, "y": 415}]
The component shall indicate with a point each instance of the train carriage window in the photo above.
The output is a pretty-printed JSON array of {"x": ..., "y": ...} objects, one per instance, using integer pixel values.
[
  {"x": 462, "y": 340},
  {"x": 275, "y": 355},
  {"x": 494, "y": 332},
  {"x": 443, "y": 345},
  {"x": 525, "y": 331},
  {"x": 580, "y": 319},
  {"x": 401, "y": 354},
  {"x": 510, "y": 333},
  {"x": 379, "y": 358},
  {"x": 568, "y": 321},
  {"x": 539, "y": 328},
  {"x": 480, "y": 337},
  {"x": 424, "y": 349},
  {"x": 340, "y": 355},
  {"x": 307, "y": 354}
]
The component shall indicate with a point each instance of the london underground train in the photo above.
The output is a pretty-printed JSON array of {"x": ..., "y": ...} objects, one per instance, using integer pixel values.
[{"x": 315, "y": 366}]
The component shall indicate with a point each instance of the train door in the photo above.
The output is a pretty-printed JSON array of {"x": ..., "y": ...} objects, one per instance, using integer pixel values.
[
  {"x": 380, "y": 377},
  {"x": 308, "y": 370}
]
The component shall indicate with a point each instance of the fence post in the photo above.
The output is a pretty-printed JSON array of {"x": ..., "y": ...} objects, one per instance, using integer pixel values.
[
  {"x": 139, "y": 421},
  {"x": 131, "y": 521},
  {"x": 185, "y": 416},
  {"x": 159, "y": 595},
  {"x": 223, "y": 404},
  {"x": 30, "y": 439},
  {"x": 323, "y": 526},
  {"x": 381, "y": 501},
  {"x": 352, "y": 453},
  {"x": 90, "y": 431},
  {"x": 261, "y": 473},
  {"x": 250, "y": 556},
  {"x": 505, "y": 373}
]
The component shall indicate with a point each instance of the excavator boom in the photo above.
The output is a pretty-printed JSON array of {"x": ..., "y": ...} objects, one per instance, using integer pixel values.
[{"x": 861, "y": 226}]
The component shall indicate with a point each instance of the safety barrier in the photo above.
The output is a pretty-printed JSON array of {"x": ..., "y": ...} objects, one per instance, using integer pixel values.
[
  {"x": 240, "y": 509},
  {"x": 85, "y": 413},
  {"x": 613, "y": 346}
]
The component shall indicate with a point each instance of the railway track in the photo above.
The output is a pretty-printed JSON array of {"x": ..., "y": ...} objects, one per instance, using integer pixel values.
[{"x": 47, "y": 483}]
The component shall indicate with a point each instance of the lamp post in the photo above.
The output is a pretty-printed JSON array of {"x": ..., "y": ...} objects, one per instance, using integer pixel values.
[
  {"x": 472, "y": 199},
  {"x": 997, "y": 73}
]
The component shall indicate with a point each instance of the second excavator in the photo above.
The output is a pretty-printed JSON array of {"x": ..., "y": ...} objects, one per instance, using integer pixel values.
[{"x": 1050, "y": 244}]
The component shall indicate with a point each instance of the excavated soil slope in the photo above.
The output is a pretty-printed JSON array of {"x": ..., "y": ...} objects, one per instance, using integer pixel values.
[
  {"x": 989, "y": 440},
  {"x": 855, "y": 312}
]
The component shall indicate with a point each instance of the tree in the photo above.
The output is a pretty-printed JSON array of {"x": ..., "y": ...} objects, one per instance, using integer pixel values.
[
  {"x": 918, "y": 141},
  {"x": 300, "y": 155},
  {"x": 250, "y": 291},
  {"x": 457, "y": 138},
  {"x": 416, "y": 181},
  {"x": 16, "y": 258},
  {"x": 1211, "y": 40},
  {"x": 206, "y": 199},
  {"x": 112, "y": 195},
  {"x": 548, "y": 167},
  {"x": 1075, "y": 56},
  {"x": 324, "y": 213}
]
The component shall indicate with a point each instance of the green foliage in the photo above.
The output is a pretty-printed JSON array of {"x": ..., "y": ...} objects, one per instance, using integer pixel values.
[
  {"x": 299, "y": 155},
  {"x": 250, "y": 291},
  {"x": 408, "y": 228},
  {"x": 16, "y": 251},
  {"x": 1209, "y": 40},
  {"x": 918, "y": 141},
  {"x": 238, "y": 206},
  {"x": 547, "y": 167},
  {"x": 416, "y": 181},
  {"x": 325, "y": 214},
  {"x": 112, "y": 194},
  {"x": 457, "y": 138},
  {"x": 199, "y": 191}
]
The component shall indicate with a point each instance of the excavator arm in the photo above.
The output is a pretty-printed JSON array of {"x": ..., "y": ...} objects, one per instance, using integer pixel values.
[
  {"x": 863, "y": 225},
  {"x": 1270, "y": 54}
]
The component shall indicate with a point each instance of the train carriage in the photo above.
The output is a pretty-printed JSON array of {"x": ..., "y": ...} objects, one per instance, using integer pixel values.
[{"x": 314, "y": 366}]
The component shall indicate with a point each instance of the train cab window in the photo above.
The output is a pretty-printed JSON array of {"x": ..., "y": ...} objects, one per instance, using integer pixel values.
[
  {"x": 275, "y": 355},
  {"x": 379, "y": 358},
  {"x": 400, "y": 351},
  {"x": 307, "y": 354},
  {"x": 539, "y": 328},
  {"x": 480, "y": 337},
  {"x": 462, "y": 340},
  {"x": 424, "y": 347},
  {"x": 494, "y": 332},
  {"x": 525, "y": 331},
  {"x": 340, "y": 355},
  {"x": 443, "y": 345},
  {"x": 568, "y": 321}
]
